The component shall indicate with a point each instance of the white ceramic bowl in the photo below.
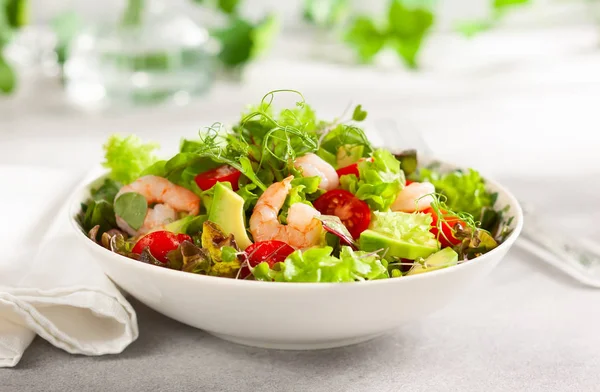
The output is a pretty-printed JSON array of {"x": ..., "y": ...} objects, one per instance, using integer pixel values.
[{"x": 294, "y": 315}]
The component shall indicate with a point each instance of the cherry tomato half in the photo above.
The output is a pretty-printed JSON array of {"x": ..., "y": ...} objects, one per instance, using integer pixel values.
[
  {"x": 408, "y": 182},
  {"x": 350, "y": 169},
  {"x": 353, "y": 212},
  {"x": 223, "y": 173},
  {"x": 270, "y": 251},
  {"x": 160, "y": 243},
  {"x": 446, "y": 238}
]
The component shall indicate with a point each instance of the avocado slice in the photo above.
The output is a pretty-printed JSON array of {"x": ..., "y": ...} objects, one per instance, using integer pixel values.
[
  {"x": 227, "y": 211},
  {"x": 371, "y": 240},
  {"x": 347, "y": 155},
  {"x": 442, "y": 259},
  {"x": 187, "y": 225}
]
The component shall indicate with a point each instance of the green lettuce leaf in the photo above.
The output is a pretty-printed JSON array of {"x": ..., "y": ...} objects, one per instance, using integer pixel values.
[
  {"x": 97, "y": 213},
  {"x": 465, "y": 190},
  {"x": 414, "y": 228},
  {"x": 380, "y": 181},
  {"x": 127, "y": 157},
  {"x": 318, "y": 265},
  {"x": 249, "y": 193},
  {"x": 107, "y": 191}
]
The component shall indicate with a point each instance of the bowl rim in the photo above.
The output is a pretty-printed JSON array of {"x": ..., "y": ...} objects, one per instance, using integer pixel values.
[{"x": 74, "y": 204}]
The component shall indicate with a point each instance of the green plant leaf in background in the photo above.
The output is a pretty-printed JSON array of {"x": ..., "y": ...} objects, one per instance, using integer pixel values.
[
  {"x": 407, "y": 25},
  {"x": 473, "y": 27},
  {"x": 65, "y": 26},
  {"x": 11, "y": 15},
  {"x": 242, "y": 41},
  {"x": 132, "y": 16},
  {"x": 8, "y": 79},
  {"x": 365, "y": 38},
  {"x": 504, "y": 4},
  {"x": 263, "y": 35},
  {"x": 470, "y": 28},
  {"x": 17, "y": 14},
  {"x": 236, "y": 43},
  {"x": 325, "y": 13},
  {"x": 407, "y": 28},
  {"x": 228, "y": 6}
]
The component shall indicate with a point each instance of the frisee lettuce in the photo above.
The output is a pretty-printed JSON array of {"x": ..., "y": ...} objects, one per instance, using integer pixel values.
[
  {"x": 127, "y": 157},
  {"x": 380, "y": 182},
  {"x": 318, "y": 265}
]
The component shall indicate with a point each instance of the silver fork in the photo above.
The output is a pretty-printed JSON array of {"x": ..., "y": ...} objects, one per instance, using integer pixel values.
[{"x": 576, "y": 257}]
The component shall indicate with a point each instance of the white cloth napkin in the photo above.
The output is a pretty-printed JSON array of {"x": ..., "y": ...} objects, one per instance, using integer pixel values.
[{"x": 49, "y": 285}]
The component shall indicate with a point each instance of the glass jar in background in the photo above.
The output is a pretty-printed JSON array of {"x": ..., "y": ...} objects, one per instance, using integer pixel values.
[{"x": 154, "y": 54}]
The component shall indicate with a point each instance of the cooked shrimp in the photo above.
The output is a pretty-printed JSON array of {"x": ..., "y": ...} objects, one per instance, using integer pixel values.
[
  {"x": 313, "y": 165},
  {"x": 303, "y": 230},
  {"x": 168, "y": 197},
  {"x": 415, "y": 197}
]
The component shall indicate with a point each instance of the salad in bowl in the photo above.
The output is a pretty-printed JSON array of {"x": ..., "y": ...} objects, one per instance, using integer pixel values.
[{"x": 284, "y": 196}]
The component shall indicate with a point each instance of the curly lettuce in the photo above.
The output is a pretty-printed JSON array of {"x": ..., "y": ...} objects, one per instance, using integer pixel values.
[
  {"x": 465, "y": 190},
  {"x": 380, "y": 182},
  {"x": 318, "y": 265},
  {"x": 127, "y": 157}
]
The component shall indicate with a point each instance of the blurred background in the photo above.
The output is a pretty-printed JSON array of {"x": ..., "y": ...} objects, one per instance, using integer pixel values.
[{"x": 510, "y": 87}]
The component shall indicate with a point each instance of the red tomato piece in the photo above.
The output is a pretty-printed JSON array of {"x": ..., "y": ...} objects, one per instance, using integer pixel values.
[
  {"x": 353, "y": 212},
  {"x": 408, "y": 182},
  {"x": 223, "y": 173},
  {"x": 272, "y": 252},
  {"x": 160, "y": 243},
  {"x": 350, "y": 169},
  {"x": 446, "y": 238}
]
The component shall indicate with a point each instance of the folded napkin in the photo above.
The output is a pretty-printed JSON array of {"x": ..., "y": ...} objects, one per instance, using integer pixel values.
[{"x": 49, "y": 285}]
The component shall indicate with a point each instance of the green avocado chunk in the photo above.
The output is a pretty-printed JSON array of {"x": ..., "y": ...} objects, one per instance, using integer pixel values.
[
  {"x": 371, "y": 241},
  {"x": 187, "y": 225},
  {"x": 442, "y": 259},
  {"x": 227, "y": 211}
]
